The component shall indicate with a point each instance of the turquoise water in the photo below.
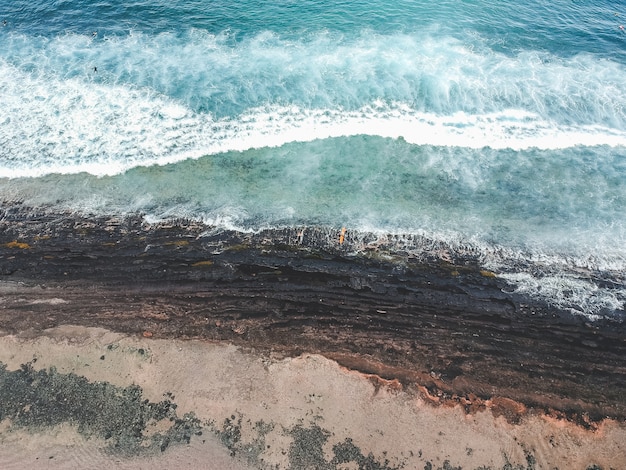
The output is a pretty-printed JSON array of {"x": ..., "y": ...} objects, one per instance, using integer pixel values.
[{"x": 497, "y": 127}]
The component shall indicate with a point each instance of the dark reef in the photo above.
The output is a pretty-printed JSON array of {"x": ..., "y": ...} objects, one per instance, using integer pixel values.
[{"x": 438, "y": 321}]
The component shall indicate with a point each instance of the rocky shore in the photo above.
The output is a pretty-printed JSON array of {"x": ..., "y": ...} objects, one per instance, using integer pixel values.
[{"x": 431, "y": 321}]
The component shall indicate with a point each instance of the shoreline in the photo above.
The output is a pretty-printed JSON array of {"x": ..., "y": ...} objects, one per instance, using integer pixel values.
[{"x": 443, "y": 329}]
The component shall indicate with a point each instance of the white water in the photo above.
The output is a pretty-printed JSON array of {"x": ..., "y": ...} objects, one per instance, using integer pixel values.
[
  {"x": 517, "y": 157},
  {"x": 67, "y": 127},
  {"x": 162, "y": 99}
]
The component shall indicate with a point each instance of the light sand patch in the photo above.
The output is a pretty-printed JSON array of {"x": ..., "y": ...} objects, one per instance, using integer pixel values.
[{"x": 64, "y": 449}]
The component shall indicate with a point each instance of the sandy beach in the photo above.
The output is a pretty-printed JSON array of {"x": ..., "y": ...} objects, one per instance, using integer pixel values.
[
  {"x": 259, "y": 411},
  {"x": 129, "y": 345}
]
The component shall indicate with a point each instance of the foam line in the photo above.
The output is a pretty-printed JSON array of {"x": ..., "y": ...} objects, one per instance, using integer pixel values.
[
  {"x": 209, "y": 94},
  {"x": 69, "y": 127}
]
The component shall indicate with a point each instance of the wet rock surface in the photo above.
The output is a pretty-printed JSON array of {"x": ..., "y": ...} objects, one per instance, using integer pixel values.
[
  {"x": 438, "y": 322},
  {"x": 39, "y": 399}
]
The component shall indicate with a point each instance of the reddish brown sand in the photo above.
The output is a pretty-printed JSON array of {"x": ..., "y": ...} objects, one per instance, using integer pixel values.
[{"x": 394, "y": 425}]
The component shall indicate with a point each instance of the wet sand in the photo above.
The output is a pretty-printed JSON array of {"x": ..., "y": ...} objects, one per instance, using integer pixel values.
[{"x": 335, "y": 355}]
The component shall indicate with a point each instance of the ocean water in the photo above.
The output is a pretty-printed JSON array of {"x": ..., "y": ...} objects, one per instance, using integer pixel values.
[{"x": 498, "y": 128}]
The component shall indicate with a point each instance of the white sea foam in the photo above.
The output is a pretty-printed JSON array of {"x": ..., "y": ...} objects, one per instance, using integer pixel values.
[
  {"x": 166, "y": 98},
  {"x": 576, "y": 294},
  {"x": 591, "y": 286},
  {"x": 51, "y": 126}
]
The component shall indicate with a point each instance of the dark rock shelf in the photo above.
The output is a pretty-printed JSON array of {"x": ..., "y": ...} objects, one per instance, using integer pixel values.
[{"x": 440, "y": 322}]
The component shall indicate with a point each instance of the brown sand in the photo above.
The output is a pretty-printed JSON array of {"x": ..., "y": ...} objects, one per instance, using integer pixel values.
[{"x": 225, "y": 385}]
